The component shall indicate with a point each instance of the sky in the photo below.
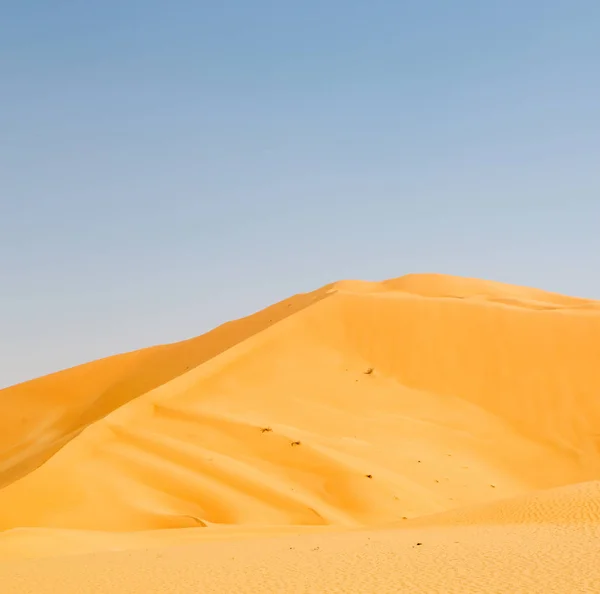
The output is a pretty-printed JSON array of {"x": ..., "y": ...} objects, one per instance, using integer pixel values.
[{"x": 168, "y": 166}]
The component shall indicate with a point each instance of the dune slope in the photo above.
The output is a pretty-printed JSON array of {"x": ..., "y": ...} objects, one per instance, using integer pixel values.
[
  {"x": 38, "y": 417},
  {"x": 358, "y": 404}
]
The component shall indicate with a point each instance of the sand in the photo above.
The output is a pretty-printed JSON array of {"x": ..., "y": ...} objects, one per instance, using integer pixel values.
[{"x": 311, "y": 446}]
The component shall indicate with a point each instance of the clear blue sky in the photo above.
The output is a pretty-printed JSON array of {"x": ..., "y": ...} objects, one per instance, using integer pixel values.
[{"x": 167, "y": 166}]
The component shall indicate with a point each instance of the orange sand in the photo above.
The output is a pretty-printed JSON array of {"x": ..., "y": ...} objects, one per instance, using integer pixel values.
[{"x": 310, "y": 446}]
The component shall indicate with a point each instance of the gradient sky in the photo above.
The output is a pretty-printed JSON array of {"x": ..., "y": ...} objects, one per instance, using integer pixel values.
[{"x": 167, "y": 166}]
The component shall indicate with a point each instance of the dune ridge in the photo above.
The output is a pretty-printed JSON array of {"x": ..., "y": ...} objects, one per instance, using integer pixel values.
[{"x": 422, "y": 403}]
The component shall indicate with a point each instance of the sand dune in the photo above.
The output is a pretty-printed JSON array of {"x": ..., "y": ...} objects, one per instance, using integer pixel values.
[
  {"x": 358, "y": 416},
  {"x": 568, "y": 505}
]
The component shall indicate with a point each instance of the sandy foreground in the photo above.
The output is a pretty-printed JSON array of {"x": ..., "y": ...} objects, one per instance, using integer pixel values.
[{"x": 423, "y": 434}]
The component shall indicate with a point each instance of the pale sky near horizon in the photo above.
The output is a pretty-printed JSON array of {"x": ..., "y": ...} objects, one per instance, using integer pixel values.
[{"x": 168, "y": 166}]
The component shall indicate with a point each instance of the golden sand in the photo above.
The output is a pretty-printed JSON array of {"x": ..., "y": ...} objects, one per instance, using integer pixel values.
[{"x": 311, "y": 446}]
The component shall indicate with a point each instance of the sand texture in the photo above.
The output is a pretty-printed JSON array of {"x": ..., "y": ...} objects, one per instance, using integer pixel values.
[{"x": 422, "y": 434}]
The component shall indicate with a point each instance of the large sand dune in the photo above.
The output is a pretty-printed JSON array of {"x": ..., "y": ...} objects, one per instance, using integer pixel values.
[{"x": 358, "y": 419}]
